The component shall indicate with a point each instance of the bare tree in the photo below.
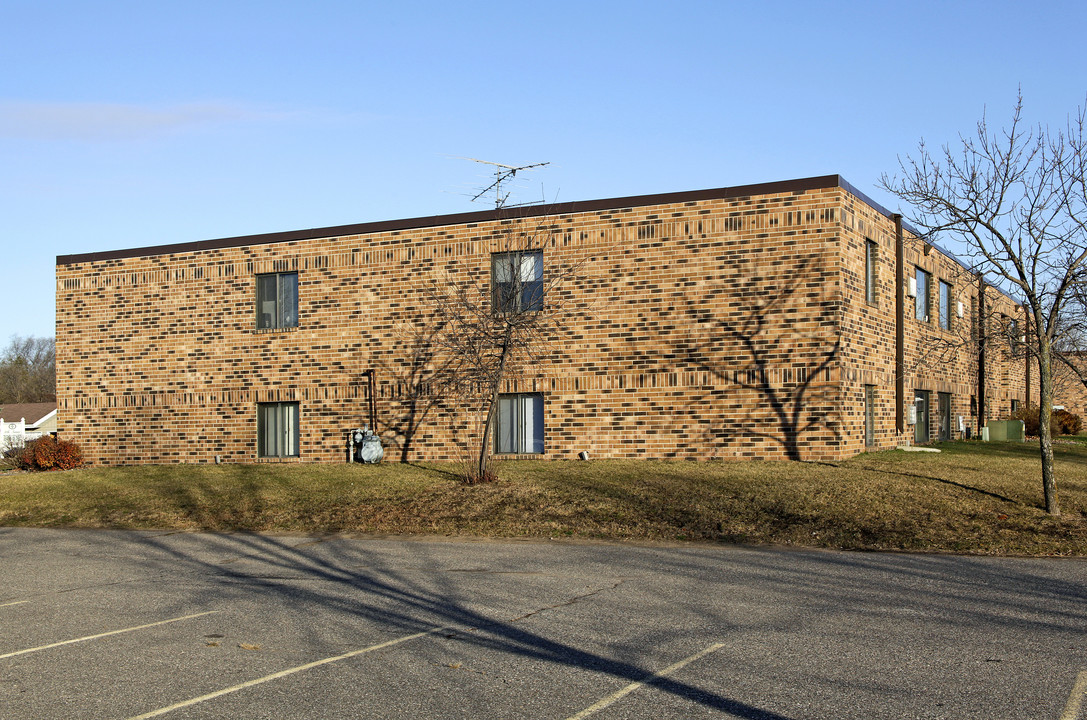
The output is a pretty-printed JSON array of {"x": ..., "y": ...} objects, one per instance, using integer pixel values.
[
  {"x": 1016, "y": 202},
  {"x": 28, "y": 371},
  {"x": 489, "y": 322}
]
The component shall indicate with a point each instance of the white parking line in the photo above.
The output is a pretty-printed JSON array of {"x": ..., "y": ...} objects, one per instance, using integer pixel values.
[
  {"x": 106, "y": 634},
  {"x": 596, "y": 707},
  {"x": 1075, "y": 700},
  {"x": 17, "y": 602},
  {"x": 282, "y": 673}
]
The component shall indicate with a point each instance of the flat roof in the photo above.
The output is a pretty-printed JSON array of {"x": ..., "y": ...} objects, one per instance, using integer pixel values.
[{"x": 770, "y": 188}]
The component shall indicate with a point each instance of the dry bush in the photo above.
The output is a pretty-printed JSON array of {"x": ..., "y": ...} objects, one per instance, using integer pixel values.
[
  {"x": 46, "y": 453},
  {"x": 1061, "y": 422}
]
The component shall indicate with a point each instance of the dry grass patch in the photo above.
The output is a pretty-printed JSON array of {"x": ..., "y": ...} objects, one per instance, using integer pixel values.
[{"x": 970, "y": 498}]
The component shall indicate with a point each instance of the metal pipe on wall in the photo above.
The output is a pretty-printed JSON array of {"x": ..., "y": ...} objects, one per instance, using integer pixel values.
[
  {"x": 981, "y": 352},
  {"x": 900, "y": 329},
  {"x": 370, "y": 379}
]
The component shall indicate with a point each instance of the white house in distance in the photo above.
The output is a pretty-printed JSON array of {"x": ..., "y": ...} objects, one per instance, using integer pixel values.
[{"x": 22, "y": 422}]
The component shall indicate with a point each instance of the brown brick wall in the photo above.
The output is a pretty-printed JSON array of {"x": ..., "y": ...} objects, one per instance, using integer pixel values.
[
  {"x": 935, "y": 360},
  {"x": 709, "y": 328}
]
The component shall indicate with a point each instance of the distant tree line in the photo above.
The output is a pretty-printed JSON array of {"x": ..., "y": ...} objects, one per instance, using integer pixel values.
[{"x": 28, "y": 371}]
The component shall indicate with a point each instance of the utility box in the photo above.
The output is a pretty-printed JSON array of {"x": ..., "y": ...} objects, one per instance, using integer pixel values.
[{"x": 1000, "y": 430}]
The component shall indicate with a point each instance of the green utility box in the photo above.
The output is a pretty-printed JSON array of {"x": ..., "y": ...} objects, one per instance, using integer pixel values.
[{"x": 1006, "y": 430}]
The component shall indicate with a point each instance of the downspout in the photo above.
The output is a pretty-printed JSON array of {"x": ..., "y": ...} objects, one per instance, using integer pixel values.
[
  {"x": 900, "y": 329},
  {"x": 1026, "y": 354},
  {"x": 370, "y": 379},
  {"x": 981, "y": 352}
]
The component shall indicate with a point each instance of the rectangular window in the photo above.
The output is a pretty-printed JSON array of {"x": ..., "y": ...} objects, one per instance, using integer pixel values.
[
  {"x": 945, "y": 306},
  {"x": 520, "y": 424},
  {"x": 921, "y": 429},
  {"x": 277, "y": 429},
  {"x": 922, "y": 307},
  {"x": 870, "y": 272},
  {"x": 943, "y": 420},
  {"x": 277, "y": 301},
  {"x": 517, "y": 281},
  {"x": 869, "y": 415}
]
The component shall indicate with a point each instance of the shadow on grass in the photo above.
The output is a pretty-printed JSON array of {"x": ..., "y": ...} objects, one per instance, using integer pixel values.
[
  {"x": 963, "y": 486},
  {"x": 976, "y": 454},
  {"x": 447, "y": 474},
  {"x": 1063, "y": 451}
]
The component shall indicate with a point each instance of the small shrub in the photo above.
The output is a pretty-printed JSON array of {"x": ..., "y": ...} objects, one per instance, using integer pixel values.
[
  {"x": 472, "y": 477},
  {"x": 1062, "y": 422},
  {"x": 18, "y": 457},
  {"x": 48, "y": 453},
  {"x": 1029, "y": 416},
  {"x": 1068, "y": 422}
]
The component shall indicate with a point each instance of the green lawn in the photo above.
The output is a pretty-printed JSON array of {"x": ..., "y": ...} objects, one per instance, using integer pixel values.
[{"x": 970, "y": 498}]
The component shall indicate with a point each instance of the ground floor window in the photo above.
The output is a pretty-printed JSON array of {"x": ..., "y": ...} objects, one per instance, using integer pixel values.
[
  {"x": 519, "y": 426},
  {"x": 943, "y": 411},
  {"x": 869, "y": 415},
  {"x": 277, "y": 429},
  {"x": 921, "y": 429}
]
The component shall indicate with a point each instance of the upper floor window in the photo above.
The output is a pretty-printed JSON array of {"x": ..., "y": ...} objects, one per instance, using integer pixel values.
[
  {"x": 922, "y": 307},
  {"x": 870, "y": 271},
  {"x": 517, "y": 281},
  {"x": 277, "y": 300},
  {"x": 945, "y": 306}
]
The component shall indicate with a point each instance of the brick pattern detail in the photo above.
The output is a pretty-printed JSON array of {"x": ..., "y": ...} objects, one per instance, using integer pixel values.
[{"x": 727, "y": 328}]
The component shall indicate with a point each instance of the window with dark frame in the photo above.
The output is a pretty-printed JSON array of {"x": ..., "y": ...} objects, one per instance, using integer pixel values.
[
  {"x": 277, "y": 301},
  {"x": 922, "y": 306},
  {"x": 869, "y": 415},
  {"x": 871, "y": 267},
  {"x": 517, "y": 281},
  {"x": 921, "y": 433},
  {"x": 277, "y": 429},
  {"x": 519, "y": 424},
  {"x": 943, "y": 416},
  {"x": 945, "y": 305}
]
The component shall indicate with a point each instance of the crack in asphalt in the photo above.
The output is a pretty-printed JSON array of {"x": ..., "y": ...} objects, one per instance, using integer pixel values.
[{"x": 570, "y": 601}]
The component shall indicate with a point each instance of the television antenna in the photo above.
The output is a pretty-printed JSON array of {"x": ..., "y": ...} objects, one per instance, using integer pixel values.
[{"x": 502, "y": 174}]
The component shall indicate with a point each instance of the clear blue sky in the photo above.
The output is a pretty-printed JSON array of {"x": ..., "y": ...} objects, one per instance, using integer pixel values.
[{"x": 124, "y": 124}]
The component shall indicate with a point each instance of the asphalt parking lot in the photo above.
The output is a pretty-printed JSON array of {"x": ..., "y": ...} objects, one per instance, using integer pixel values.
[{"x": 122, "y": 625}]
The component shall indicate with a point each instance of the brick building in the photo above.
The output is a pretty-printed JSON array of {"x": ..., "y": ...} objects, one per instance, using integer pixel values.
[{"x": 795, "y": 319}]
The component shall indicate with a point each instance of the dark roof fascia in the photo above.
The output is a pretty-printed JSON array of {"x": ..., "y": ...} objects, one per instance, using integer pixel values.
[
  {"x": 769, "y": 188},
  {"x": 887, "y": 213},
  {"x": 917, "y": 233}
]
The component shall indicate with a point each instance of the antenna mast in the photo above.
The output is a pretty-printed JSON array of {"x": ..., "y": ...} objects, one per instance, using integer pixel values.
[{"x": 502, "y": 173}]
